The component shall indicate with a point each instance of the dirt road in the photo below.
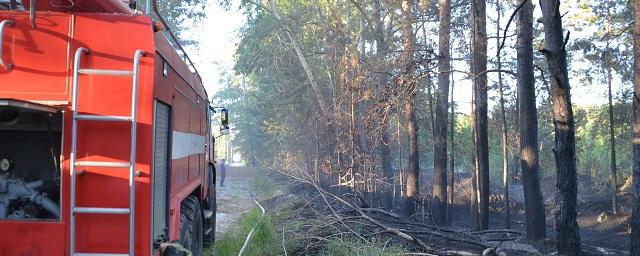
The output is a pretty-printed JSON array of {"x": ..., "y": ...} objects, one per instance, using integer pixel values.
[{"x": 234, "y": 199}]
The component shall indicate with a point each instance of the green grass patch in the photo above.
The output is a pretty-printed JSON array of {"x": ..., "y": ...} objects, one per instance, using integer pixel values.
[{"x": 263, "y": 242}]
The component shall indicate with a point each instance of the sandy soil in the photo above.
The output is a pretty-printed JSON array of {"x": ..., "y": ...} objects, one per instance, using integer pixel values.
[{"x": 234, "y": 199}]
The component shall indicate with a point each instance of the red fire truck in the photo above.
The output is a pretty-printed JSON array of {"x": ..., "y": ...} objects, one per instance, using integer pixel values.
[{"x": 105, "y": 133}]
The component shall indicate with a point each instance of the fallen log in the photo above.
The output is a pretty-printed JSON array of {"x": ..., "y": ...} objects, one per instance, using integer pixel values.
[
  {"x": 481, "y": 244},
  {"x": 377, "y": 210},
  {"x": 446, "y": 253},
  {"x": 379, "y": 224},
  {"x": 405, "y": 234},
  {"x": 488, "y": 231}
]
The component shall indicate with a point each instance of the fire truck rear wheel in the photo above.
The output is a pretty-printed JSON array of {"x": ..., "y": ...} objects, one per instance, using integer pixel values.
[{"x": 191, "y": 225}]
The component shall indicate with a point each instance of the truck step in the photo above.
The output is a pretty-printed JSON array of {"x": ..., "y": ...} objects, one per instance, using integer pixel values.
[
  {"x": 104, "y": 118},
  {"x": 103, "y": 164},
  {"x": 208, "y": 214},
  {"x": 101, "y": 210},
  {"x": 105, "y": 72}
]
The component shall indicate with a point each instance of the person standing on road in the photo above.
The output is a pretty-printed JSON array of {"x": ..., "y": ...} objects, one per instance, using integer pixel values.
[{"x": 223, "y": 172}]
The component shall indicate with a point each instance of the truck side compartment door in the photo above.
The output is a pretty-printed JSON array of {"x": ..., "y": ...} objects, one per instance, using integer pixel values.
[{"x": 160, "y": 174}]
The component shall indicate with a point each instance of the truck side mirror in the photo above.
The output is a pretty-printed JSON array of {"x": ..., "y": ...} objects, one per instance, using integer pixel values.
[
  {"x": 224, "y": 118},
  {"x": 224, "y": 130}
]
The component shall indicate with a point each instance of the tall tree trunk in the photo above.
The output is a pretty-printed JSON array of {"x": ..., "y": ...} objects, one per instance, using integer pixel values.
[
  {"x": 402, "y": 172},
  {"x": 385, "y": 150},
  {"x": 387, "y": 168},
  {"x": 429, "y": 84},
  {"x": 565, "y": 140},
  {"x": 612, "y": 135},
  {"x": 439, "y": 204},
  {"x": 412, "y": 163},
  {"x": 412, "y": 128},
  {"x": 475, "y": 193},
  {"x": 354, "y": 166},
  {"x": 479, "y": 68},
  {"x": 335, "y": 142},
  {"x": 363, "y": 98},
  {"x": 452, "y": 174},
  {"x": 516, "y": 158},
  {"x": 612, "y": 140},
  {"x": 635, "y": 215},
  {"x": 528, "y": 126},
  {"x": 503, "y": 116},
  {"x": 432, "y": 122}
]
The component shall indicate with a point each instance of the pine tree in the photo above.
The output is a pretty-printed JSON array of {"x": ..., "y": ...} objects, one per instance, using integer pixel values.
[
  {"x": 568, "y": 235},
  {"x": 528, "y": 121}
]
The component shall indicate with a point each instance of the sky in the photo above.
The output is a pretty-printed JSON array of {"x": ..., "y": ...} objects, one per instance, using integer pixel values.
[
  {"x": 581, "y": 94},
  {"x": 218, "y": 39}
]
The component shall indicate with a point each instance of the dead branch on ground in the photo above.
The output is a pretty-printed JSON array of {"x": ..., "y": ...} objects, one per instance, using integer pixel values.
[{"x": 397, "y": 225}]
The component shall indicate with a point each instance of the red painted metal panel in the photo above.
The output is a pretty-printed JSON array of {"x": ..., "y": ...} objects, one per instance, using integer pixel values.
[
  {"x": 43, "y": 73},
  {"x": 113, "y": 40},
  {"x": 189, "y": 82},
  {"x": 29, "y": 238},
  {"x": 43, "y": 58},
  {"x": 40, "y": 57},
  {"x": 174, "y": 201},
  {"x": 193, "y": 159},
  {"x": 187, "y": 93},
  {"x": 162, "y": 88},
  {"x": 90, "y": 6}
]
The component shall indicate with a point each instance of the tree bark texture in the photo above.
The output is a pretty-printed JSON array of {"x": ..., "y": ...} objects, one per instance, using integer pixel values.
[
  {"x": 635, "y": 215},
  {"x": 475, "y": 193},
  {"x": 439, "y": 203},
  {"x": 528, "y": 125},
  {"x": 568, "y": 236},
  {"x": 432, "y": 122},
  {"x": 478, "y": 69},
  {"x": 505, "y": 154},
  {"x": 612, "y": 140},
  {"x": 385, "y": 150},
  {"x": 362, "y": 102},
  {"x": 410, "y": 93},
  {"x": 452, "y": 165},
  {"x": 612, "y": 135}
]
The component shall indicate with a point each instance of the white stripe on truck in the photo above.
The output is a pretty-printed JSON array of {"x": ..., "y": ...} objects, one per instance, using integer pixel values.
[{"x": 186, "y": 144}]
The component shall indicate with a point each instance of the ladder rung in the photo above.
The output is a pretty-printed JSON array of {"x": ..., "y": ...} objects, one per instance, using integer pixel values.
[
  {"x": 100, "y": 254},
  {"x": 105, "y": 72},
  {"x": 100, "y": 210},
  {"x": 103, "y": 164},
  {"x": 104, "y": 118},
  {"x": 130, "y": 211}
]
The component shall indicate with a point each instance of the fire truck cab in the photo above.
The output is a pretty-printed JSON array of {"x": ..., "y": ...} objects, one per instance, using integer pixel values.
[{"x": 106, "y": 143}]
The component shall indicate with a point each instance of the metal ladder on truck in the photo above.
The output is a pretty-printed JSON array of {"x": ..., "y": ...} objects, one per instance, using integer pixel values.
[{"x": 77, "y": 71}]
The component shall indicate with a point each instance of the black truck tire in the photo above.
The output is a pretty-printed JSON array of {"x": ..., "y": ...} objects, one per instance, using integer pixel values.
[{"x": 191, "y": 225}]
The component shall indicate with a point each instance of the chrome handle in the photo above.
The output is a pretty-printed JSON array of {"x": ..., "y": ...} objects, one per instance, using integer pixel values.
[{"x": 3, "y": 24}]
